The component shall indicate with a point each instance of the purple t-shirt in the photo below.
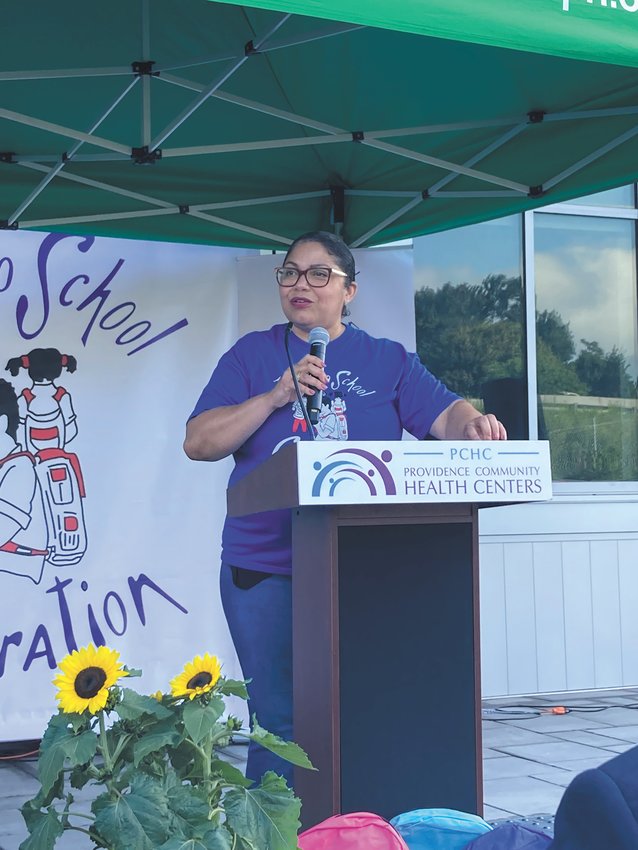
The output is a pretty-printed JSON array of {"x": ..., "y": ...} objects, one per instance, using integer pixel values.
[{"x": 376, "y": 390}]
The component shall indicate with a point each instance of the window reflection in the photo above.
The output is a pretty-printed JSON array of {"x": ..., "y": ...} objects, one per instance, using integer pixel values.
[
  {"x": 587, "y": 348},
  {"x": 470, "y": 316},
  {"x": 622, "y": 196}
]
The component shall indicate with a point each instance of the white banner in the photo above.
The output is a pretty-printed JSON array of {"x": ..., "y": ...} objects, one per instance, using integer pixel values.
[{"x": 108, "y": 533}]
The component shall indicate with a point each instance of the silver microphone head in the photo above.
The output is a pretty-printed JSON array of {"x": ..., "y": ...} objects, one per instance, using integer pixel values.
[{"x": 319, "y": 335}]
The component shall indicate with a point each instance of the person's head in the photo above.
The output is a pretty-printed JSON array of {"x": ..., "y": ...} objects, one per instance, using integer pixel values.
[
  {"x": 43, "y": 364},
  {"x": 9, "y": 416},
  {"x": 309, "y": 306}
]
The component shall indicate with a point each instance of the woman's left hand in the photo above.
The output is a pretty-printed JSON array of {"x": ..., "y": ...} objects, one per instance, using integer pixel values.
[
  {"x": 462, "y": 421},
  {"x": 484, "y": 427}
]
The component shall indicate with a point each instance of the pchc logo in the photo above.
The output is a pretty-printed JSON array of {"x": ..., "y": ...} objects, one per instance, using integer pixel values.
[
  {"x": 627, "y": 5},
  {"x": 354, "y": 465}
]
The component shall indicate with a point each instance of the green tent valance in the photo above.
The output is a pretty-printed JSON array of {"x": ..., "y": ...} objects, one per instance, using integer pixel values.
[
  {"x": 595, "y": 30},
  {"x": 220, "y": 123}
]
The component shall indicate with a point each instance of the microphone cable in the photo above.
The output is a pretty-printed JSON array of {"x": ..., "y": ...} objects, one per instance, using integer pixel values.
[{"x": 309, "y": 424}]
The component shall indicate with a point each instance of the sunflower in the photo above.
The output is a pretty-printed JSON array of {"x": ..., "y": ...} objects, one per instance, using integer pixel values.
[
  {"x": 87, "y": 674},
  {"x": 198, "y": 677}
]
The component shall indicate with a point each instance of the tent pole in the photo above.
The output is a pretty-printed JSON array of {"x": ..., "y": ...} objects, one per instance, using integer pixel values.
[
  {"x": 529, "y": 272},
  {"x": 577, "y": 166},
  {"x": 97, "y": 184},
  {"x": 206, "y": 93},
  {"x": 433, "y": 192},
  {"x": 146, "y": 78},
  {"x": 59, "y": 130},
  {"x": 57, "y": 168}
]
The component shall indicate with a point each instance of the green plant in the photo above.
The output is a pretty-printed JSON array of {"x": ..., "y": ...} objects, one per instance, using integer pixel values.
[{"x": 156, "y": 758}]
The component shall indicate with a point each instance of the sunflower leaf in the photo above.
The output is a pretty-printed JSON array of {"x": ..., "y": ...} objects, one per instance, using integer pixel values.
[
  {"x": 31, "y": 811},
  {"x": 45, "y": 829},
  {"x": 200, "y": 719},
  {"x": 287, "y": 750},
  {"x": 78, "y": 777},
  {"x": 81, "y": 748},
  {"x": 134, "y": 705},
  {"x": 266, "y": 816},
  {"x": 42, "y": 800},
  {"x": 241, "y": 844},
  {"x": 234, "y": 688},
  {"x": 213, "y": 839},
  {"x": 230, "y": 774},
  {"x": 188, "y": 810},
  {"x": 78, "y": 721},
  {"x": 137, "y": 819},
  {"x": 60, "y": 744},
  {"x": 160, "y": 735},
  {"x": 181, "y": 758},
  {"x": 53, "y": 750}
]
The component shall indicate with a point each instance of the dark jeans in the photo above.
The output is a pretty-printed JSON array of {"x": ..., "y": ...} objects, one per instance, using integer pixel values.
[{"x": 260, "y": 623}]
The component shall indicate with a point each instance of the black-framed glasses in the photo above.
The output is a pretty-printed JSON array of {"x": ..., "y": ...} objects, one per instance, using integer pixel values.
[{"x": 316, "y": 276}]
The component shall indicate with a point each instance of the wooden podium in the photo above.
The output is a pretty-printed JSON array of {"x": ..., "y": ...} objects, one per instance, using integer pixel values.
[{"x": 385, "y": 630}]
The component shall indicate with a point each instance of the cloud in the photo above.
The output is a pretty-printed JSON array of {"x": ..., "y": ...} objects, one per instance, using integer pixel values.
[{"x": 594, "y": 289}]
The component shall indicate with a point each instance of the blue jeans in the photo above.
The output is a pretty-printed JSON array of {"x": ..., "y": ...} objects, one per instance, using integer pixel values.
[{"x": 260, "y": 623}]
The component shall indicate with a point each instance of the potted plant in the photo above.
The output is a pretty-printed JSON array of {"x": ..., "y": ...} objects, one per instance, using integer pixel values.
[{"x": 163, "y": 783}]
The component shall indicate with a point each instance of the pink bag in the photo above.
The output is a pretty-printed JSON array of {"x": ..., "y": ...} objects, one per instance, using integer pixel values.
[{"x": 356, "y": 831}]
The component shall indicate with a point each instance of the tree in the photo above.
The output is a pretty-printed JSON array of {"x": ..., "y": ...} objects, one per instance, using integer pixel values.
[
  {"x": 555, "y": 376},
  {"x": 555, "y": 333},
  {"x": 471, "y": 333},
  {"x": 604, "y": 374}
]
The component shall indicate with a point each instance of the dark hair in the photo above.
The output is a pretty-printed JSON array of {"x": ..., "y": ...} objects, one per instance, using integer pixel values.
[
  {"x": 43, "y": 364},
  {"x": 9, "y": 407},
  {"x": 334, "y": 245}
]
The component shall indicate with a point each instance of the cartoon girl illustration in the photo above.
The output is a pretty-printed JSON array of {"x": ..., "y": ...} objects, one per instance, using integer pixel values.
[
  {"x": 23, "y": 534},
  {"x": 47, "y": 418},
  {"x": 47, "y": 424},
  {"x": 299, "y": 420},
  {"x": 339, "y": 410},
  {"x": 333, "y": 424}
]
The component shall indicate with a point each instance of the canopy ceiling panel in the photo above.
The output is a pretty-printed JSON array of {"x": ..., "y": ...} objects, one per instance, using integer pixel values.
[{"x": 221, "y": 123}]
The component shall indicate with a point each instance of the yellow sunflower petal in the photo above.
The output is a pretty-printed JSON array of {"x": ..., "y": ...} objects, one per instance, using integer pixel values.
[
  {"x": 85, "y": 678},
  {"x": 198, "y": 677}
]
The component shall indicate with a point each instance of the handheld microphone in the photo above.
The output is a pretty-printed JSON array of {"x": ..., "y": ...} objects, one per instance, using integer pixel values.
[{"x": 318, "y": 339}]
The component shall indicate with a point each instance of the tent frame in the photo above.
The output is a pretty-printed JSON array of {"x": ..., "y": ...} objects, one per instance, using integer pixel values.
[{"x": 147, "y": 75}]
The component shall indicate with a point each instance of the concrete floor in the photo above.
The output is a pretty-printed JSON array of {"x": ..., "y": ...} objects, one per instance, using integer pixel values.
[{"x": 529, "y": 757}]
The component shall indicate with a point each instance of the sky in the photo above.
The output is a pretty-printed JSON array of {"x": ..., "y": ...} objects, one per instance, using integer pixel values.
[{"x": 584, "y": 267}]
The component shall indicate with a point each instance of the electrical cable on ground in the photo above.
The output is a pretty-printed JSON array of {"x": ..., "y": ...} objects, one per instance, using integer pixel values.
[
  {"x": 521, "y": 711},
  {"x": 18, "y": 756}
]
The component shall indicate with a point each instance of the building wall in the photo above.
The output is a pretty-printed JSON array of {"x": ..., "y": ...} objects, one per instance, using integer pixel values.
[
  {"x": 559, "y": 581},
  {"x": 559, "y": 595}
]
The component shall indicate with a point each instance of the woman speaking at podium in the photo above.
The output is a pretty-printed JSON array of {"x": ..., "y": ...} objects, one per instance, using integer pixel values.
[{"x": 369, "y": 389}]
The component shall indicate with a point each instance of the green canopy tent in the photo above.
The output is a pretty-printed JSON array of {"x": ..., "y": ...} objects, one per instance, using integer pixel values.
[{"x": 222, "y": 123}]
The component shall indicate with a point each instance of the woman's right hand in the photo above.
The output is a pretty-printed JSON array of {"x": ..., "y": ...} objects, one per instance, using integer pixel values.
[
  {"x": 310, "y": 377},
  {"x": 219, "y": 432}
]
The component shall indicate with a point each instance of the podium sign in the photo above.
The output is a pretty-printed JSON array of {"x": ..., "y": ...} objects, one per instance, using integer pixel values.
[
  {"x": 410, "y": 471},
  {"x": 386, "y": 656}
]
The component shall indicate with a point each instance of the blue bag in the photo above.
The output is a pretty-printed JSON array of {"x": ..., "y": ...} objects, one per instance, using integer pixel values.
[
  {"x": 511, "y": 836},
  {"x": 439, "y": 829}
]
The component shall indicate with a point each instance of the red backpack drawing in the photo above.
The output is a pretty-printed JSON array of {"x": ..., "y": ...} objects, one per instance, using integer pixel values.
[
  {"x": 62, "y": 486},
  {"x": 60, "y": 478},
  {"x": 9, "y": 546},
  {"x": 356, "y": 831}
]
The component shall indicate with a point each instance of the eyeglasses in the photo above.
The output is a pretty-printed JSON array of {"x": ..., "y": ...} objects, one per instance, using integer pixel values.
[{"x": 316, "y": 276}]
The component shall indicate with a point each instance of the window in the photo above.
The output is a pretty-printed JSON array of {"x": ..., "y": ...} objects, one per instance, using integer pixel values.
[
  {"x": 623, "y": 196},
  {"x": 470, "y": 316},
  {"x": 587, "y": 345}
]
